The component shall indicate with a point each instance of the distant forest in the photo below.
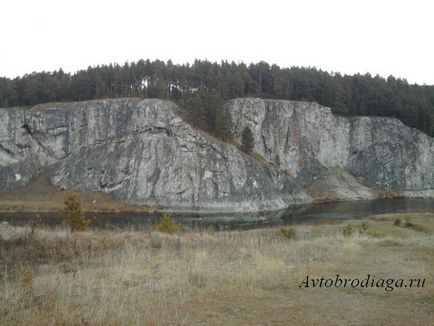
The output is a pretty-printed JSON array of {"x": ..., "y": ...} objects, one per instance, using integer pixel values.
[{"x": 202, "y": 87}]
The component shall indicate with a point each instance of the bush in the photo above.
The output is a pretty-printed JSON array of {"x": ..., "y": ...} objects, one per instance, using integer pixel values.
[
  {"x": 408, "y": 222},
  {"x": 288, "y": 233},
  {"x": 73, "y": 213},
  {"x": 166, "y": 224},
  {"x": 363, "y": 227},
  {"x": 397, "y": 222},
  {"x": 347, "y": 231}
]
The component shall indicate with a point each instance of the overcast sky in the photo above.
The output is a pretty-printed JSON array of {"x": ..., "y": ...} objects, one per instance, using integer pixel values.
[{"x": 347, "y": 36}]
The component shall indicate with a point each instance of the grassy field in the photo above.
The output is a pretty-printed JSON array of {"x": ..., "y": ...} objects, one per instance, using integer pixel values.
[{"x": 53, "y": 277}]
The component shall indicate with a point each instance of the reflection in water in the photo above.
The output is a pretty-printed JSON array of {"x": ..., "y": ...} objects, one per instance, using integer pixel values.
[{"x": 292, "y": 215}]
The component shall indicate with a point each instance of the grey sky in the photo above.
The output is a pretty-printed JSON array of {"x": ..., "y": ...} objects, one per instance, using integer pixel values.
[{"x": 384, "y": 37}]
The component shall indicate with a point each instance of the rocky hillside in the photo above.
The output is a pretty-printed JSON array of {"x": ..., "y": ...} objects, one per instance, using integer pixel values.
[
  {"x": 313, "y": 144},
  {"x": 142, "y": 152}
]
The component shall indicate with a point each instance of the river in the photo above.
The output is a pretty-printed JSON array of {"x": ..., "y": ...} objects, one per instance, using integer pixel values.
[{"x": 296, "y": 214}]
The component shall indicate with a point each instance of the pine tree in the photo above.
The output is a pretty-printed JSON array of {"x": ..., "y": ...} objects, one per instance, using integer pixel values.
[
  {"x": 197, "y": 108},
  {"x": 247, "y": 140},
  {"x": 73, "y": 213},
  {"x": 215, "y": 103},
  {"x": 223, "y": 123},
  {"x": 347, "y": 95}
]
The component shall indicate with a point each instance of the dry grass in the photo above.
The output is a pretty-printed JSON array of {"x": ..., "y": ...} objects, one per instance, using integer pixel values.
[
  {"x": 39, "y": 195},
  {"x": 52, "y": 277},
  {"x": 387, "y": 193}
]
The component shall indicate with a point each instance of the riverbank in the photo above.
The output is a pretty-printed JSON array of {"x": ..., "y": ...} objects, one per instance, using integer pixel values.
[
  {"x": 40, "y": 196},
  {"x": 102, "y": 277}
]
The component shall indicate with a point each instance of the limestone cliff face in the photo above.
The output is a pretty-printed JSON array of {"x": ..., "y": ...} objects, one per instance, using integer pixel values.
[
  {"x": 142, "y": 152},
  {"x": 309, "y": 141}
]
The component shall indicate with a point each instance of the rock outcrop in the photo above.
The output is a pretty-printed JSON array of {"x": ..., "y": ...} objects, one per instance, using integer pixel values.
[
  {"x": 381, "y": 153},
  {"x": 143, "y": 153}
]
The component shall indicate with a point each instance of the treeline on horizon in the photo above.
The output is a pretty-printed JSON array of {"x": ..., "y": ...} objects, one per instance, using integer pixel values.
[{"x": 202, "y": 87}]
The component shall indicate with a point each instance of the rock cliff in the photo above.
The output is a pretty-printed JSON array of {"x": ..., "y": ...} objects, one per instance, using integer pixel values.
[
  {"x": 142, "y": 152},
  {"x": 381, "y": 153}
]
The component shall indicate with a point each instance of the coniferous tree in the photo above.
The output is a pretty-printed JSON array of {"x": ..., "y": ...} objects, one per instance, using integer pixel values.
[
  {"x": 223, "y": 123},
  {"x": 73, "y": 213},
  {"x": 214, "y": 104},
  {"x": 218, "y": 82},
  {"x": 197, "y": 107},
  {"x": 247, "y": 140}
]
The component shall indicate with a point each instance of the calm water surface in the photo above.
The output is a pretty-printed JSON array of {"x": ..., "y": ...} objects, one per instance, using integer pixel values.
[{"x": 297, "y": 214}]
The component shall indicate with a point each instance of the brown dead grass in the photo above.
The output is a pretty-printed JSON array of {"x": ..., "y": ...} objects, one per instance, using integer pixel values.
[
  {"x": 387, "y": 193},
  {"x": 39, "y": 195},
  {"x": 203, "y": 277}
]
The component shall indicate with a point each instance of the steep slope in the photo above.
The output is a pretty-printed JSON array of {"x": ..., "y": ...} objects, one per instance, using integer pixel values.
[
  {"x": 142, "y": 152},
  {"x": 309, "y": 141}
]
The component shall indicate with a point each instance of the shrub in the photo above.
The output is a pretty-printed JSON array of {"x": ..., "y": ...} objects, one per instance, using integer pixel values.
[
  {"x": 288, "y": 233},
  {"x": 408, "y": 222},
  {"x": 73, "y": 213},
  {"x": 397, "y": 222},
  {"x": 247, "y": 140},
  {"x": 363, "y": 227},
  {"x": 166, "y": 224},
  {"x": 347, "y": 231}
]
